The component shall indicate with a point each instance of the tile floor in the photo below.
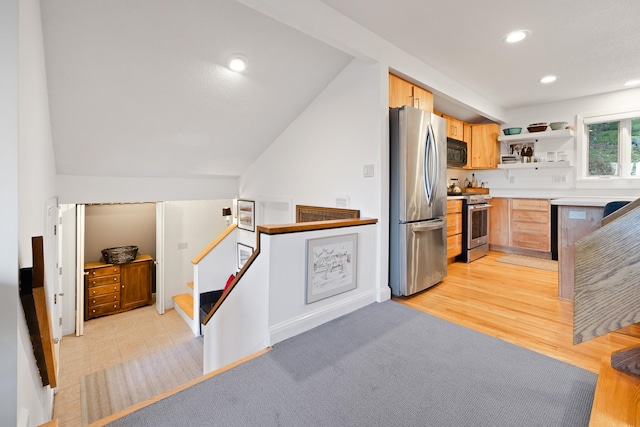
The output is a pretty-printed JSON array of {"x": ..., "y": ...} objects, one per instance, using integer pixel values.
[{"x": 108, "y": 341}]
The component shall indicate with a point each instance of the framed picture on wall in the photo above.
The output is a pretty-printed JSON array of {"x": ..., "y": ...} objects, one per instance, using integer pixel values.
[
  {"x": 332, "y": 264},
  {"x": 244, "y": 252},
  {"x": 246, "y": 215}
]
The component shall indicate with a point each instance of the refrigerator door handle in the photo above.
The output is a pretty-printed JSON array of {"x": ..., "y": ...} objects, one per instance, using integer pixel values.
[
  {"x": 432, "y": 225},
  {"x": 430, "y": 158}
]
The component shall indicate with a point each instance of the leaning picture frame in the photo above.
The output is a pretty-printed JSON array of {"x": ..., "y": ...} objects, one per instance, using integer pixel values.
[
  {"x": 246, "y": 215},
  {"x": 332, "y": 265},
  {"x": 244, "y": 253}
]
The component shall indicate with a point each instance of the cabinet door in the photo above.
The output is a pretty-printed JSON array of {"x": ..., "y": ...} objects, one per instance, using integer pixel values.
[
  {"x": 466, "y": 133},
  {"x": 455, "y": 128},
  {"x": 135, "y": 280},
  {"x": 400, "y": 92},
  {"x": 422, "y": 99},
  {"x": 499, "y": 222},
  {"x": 484, "y": 146}
]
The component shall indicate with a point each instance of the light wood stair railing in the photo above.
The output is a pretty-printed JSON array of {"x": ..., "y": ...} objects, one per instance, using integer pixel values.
[
  {"x": 607, "y": 298},
  {"x": 187, "y": 303}
]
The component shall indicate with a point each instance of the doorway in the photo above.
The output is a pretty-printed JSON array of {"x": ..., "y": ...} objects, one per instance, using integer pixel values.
[{"x": 173, "y": 233}]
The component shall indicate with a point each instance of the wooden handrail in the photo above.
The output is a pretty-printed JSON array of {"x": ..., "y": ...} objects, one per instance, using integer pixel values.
[
  {"x": 273, "y": 229},
  {"x": 213, "y": 244},
  {"x": 313, "y": 225}
]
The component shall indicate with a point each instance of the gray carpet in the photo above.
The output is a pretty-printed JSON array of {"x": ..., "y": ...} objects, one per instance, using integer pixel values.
[
  {"x": 385, "y": 365},
  {"x": 117, "y": 387}
]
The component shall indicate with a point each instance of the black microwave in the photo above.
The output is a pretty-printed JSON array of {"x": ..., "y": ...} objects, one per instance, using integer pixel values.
[{"x": 456, "y": 153}]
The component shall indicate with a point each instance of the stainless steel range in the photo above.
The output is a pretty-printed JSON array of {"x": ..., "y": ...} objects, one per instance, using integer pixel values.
[{"x": 475, "y": 226}]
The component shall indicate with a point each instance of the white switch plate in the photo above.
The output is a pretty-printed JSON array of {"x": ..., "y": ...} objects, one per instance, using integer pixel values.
[
  {"x": 577, "y": 214},
  {"x": 183, "y": 245},
  {"x": 368, "y": 171}
]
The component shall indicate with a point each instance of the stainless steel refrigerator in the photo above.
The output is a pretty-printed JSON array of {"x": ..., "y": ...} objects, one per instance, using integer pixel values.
[{"x": 418, "y": 200}]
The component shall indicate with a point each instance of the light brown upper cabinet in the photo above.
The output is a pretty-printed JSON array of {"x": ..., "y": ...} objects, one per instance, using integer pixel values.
[
  {"x": 402, "y": 92},
  {"x": 467, "y": 133},
  {"x": 455, "y": 127},
  {"x": 484, "y": 149}
]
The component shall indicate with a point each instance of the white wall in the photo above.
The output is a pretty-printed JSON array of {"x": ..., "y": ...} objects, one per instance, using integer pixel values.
[
  {"x": 97, "y": 189},
  {"x": 196, "y": 224},
  {"x": 532, "y": 182},
  {"x": 9, "y": 303},
  {"x": 321, "y": 155},
  {"x": 289, "y": 314},
  {"x": 36, "y": 186},
  {"x": 108, "y": 226}
]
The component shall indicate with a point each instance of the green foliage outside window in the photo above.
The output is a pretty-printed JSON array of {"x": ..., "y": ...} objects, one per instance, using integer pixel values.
[{"x": 604, "y": 147}]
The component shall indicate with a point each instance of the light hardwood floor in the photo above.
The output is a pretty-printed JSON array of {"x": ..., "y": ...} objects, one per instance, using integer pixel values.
[{"x": 518, "y": 305}]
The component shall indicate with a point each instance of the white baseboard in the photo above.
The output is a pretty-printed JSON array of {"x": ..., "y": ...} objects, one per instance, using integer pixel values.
[
  {"x": 310, "y": 320},
  {"x": 383, "y": 294}
]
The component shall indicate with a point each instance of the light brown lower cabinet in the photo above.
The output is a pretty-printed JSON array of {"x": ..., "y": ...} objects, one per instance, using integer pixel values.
[
  {"x": 454, "y": 228},
  {"x": 520, "y": 225},
  {"x": 111, "y": 288},
  {"x": 499, "y": 222},
  {"x": 531, "y": 224}
]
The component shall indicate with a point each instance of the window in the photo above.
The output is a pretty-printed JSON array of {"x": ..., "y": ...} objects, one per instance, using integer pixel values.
[{"x": 610, "y": 146}]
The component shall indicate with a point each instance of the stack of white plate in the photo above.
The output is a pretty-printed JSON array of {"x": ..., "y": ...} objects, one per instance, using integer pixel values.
[{"x": 509, "y": 159}]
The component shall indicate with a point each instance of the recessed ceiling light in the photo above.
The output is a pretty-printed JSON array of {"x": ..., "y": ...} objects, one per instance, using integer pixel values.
[
  {"x": 548, "y": 79},
  {"x": 516, "y": 36},
  {"x": 237, "y": 63},
  {"x": 632, "y": 83}
]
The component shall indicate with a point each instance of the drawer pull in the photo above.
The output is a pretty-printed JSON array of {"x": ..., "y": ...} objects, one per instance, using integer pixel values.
[
  {"x": 115, "y": 279},
  {"x": 94, "y": 292},
  {"x": 114, "y": 306},
  {"x": 94, "y": 310},
  {"x": 94, "y": 301}
]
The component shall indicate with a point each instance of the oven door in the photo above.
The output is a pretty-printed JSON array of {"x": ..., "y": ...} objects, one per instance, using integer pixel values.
[{"x": 478, "y": 225}]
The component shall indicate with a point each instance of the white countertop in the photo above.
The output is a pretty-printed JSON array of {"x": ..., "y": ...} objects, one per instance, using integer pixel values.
[{"x": 588, "y": 201}]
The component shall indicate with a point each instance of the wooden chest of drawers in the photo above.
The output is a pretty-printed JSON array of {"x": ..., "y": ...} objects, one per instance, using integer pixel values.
[
  {"x": 110, "y": 289},
  {"x": 102, "y": 293}
]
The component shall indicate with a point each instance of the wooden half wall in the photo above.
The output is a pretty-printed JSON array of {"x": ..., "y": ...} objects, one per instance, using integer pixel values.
[{"x": 607, "y": 278}]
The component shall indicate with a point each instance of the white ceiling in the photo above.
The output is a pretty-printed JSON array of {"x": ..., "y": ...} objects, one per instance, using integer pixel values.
[
  {"x": 592, "y": 46},
  {"x": 140, "y": 88}
]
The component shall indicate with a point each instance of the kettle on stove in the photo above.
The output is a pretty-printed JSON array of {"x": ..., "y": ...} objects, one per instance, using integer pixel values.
[{"x": 454, "y": 187}]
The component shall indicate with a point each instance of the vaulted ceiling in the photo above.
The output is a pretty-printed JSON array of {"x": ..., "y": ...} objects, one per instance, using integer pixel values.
[{"x": 141, "y": 88}]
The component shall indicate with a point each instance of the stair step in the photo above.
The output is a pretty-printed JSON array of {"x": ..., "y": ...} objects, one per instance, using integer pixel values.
[
  {"x": 617, "y": 398},
  {"x": 190, "y": 284},
  {"x": 185, "y": 302}
]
